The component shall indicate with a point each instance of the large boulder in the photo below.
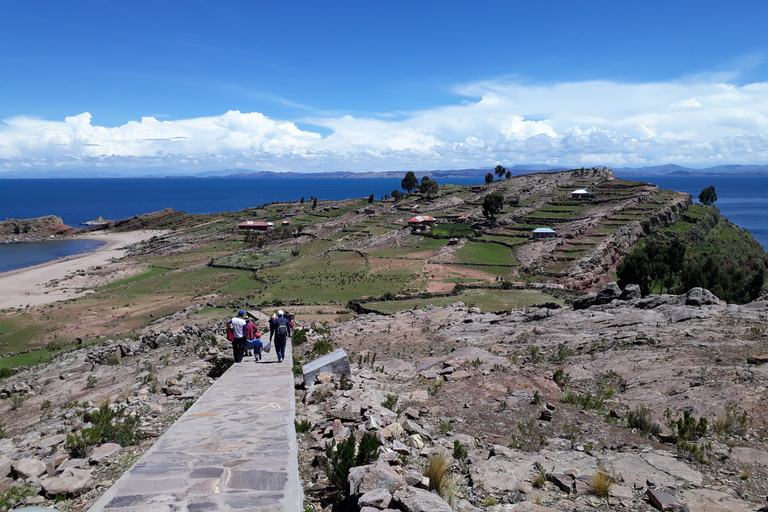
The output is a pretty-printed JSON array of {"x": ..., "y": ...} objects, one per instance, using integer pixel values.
[
  {"x": 608, "y": 293},
  {"x": 702, "y": 297},
  {"x": 375, "y": 476},
  {"x": 72, "y": 482},
  {"x": 631, "y": 291},
  {"x": 336, "y": 363},
  {"x": 412, "y": 499},
  {"x": 585, "y": 301}
]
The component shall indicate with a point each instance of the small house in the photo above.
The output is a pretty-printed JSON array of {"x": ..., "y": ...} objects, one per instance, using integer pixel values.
[
  {"x": 286, "y": 223},
  {"x": 542, "y": 233},
  {"x": 580, "y": 194},
  {"x": 453, "y": 241},
  {"x": 421, "y": 220},
  {"x": 463, "y": 219},
  {"x": 252, "y": 225}
]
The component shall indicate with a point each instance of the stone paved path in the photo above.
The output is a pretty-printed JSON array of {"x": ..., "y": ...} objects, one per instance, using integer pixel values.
[{"x": 233, "y": 450}]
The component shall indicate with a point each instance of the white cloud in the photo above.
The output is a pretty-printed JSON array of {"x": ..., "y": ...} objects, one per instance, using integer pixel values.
[{"x": 696, "y": 122}]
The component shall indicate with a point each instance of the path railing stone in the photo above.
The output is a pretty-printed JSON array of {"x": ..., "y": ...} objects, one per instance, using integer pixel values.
[{"x": 233, "y": 450}]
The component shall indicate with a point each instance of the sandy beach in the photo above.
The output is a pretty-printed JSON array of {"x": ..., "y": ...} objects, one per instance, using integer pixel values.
[{"x": 64, "y": 278}]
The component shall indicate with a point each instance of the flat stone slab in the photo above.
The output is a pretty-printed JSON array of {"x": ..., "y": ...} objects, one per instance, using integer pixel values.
[
  {"x": 233, "y": 450},
  {"x": 336, "y": 362}
]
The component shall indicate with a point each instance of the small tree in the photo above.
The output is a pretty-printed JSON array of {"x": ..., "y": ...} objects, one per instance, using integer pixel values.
[
  {"x": 428, "y": 186},
  {"x": 488, "y": 178},
  {"x": 708, "y": 196},
  {"x": 493, "y": 204},
  {"x": 397, "y": 195},
  {"x": 500, "y": 171},
  {"x": 370, "y": 198},
  {"x": 508, "y": 175},
  {"x": 314, "y": 203},
  {"x": 410, "y": 182}
]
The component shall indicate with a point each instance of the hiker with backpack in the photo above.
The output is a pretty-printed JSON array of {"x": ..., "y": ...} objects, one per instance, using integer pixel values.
[{"x": 280, "y": 329}]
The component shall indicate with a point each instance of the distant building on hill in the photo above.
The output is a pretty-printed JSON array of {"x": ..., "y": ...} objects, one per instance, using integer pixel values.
[
  {"x": 252, "y": 225},
  {"x": 580, "y": 194},
  {"x": 543, "y": 233},
  {"x": 421, "y": 220}
]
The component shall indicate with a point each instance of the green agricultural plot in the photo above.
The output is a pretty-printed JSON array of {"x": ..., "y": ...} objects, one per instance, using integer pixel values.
[
  {"x": 340, "y": 277},
  {"x": 16, "y": 333},
  {"x": 486, "y": 300},
  {"x": 256, "y": 258},
  {"x": 488, "y": 253},
  {"x": 452, "y": 229}
]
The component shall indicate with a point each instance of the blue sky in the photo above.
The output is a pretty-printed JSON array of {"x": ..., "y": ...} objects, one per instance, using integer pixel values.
[{"x": 315, "y": 86}]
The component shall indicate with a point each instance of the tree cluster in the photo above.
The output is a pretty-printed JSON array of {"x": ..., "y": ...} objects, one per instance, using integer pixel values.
[
  {"x": 659, "y": 266},
  {"x": 653, "y": 264}
]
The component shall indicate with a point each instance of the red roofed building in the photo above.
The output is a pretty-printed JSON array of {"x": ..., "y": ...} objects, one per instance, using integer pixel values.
[{"x": 421, "y": 220}]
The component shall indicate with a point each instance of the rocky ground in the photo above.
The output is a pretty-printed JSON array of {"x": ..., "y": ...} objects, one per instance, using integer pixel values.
[
  {"x": 154, "y": 378},
  {"x": 424, "y": 379}
]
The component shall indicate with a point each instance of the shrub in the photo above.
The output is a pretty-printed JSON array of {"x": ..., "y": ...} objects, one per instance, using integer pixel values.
[
  {"x": 587, "y": 401},
  {"x": 561, "y": 353},
  {"x": 541, "y": 475},
  {"x": 686, "y": 428},
  {"x": 561, "y": 378},
  {"x": 302, "y": 426},
  {"x": 298, "y": 337},
  {"x": 322, "y": 347},
  {"x": 220, "y": 366},
  {"x": 340, "y": 458},
  {"x": 641, "y": 419},
  {"x": 459, "y": 452},
  {"x": 390, "y": 402},
  {"x": 731, "y": 423},
  {"x": 529, "y": 438},
  {"x": 6, "y": 372},
  {"x": 114, "y": 426}
]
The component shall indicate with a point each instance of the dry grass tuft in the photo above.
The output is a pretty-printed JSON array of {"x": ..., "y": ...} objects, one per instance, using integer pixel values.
[
  {"x": 601, "y": 483},
  {"x": 438, "y": 471}
]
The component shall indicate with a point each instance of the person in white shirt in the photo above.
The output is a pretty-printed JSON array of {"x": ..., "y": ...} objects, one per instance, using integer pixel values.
[{"x": 238, "y": 344}]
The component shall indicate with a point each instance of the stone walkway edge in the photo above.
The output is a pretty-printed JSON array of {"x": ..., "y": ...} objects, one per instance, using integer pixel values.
[{"x": 234, "y": 450}]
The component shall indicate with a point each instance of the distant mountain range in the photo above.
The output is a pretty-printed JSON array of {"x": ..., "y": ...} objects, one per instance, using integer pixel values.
[{"x": 659, "y": 170}]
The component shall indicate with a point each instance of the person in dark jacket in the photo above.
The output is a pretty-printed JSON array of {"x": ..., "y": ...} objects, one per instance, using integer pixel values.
[{"x": 280, "y": 330}]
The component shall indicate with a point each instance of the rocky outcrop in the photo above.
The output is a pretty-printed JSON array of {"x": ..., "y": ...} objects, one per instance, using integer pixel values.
[{"x": 22, "y": 230}]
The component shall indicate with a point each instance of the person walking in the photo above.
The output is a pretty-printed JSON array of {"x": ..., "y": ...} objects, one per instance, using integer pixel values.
[
  {"x": 238, "y": 343},
  {"x": 252, "y": 339},
  {"x": 280, "y": 329}
]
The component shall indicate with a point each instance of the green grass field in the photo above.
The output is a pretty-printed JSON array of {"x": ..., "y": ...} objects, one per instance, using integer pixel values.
[{"x": 488, "y": 253}]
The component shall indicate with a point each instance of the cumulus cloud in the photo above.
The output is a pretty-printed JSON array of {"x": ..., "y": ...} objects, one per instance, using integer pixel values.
[{"x": 697, "y": 122}]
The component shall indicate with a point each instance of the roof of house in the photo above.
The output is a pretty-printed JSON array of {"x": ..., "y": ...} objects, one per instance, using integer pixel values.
[
  {"x": 543, "y": 230},
  {"x": 253, "y": 223},
  {"x": 421, "y": 218},
  {"x": 580, "y": 191}
]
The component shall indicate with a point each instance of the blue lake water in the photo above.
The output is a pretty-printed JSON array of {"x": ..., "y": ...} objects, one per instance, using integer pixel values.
[
  {"x": 13, "y": 256},
  {"x": 742, "y": 200}
]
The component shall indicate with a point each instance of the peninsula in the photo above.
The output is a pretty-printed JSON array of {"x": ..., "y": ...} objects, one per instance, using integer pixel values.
[{"x": 513, "y": 356}]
